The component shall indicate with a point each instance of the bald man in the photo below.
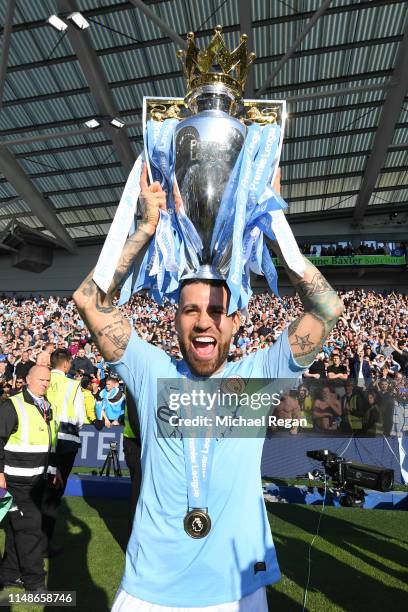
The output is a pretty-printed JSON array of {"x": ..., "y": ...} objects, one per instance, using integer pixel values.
[
  {"x": 27, "y": 464},
  {"x": 44, "y": 357}
]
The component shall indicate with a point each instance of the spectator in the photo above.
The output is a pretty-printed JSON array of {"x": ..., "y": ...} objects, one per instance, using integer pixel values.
[
  {"x": 82, "y": 363},
  {"x": 385, "y": 402},
  {"x": 337, "y": 374},
  {"x": 360, "y": 369},
  {"x": 352, "y": 408},
  {"x": 317, "y": 370},
  {"x": 18, "y": 386},
  {"x": 23, "y": 366},
  {"x": 110, "y": 407},
  {"x": 372, "y": 419},
  {"x": 326, "y": 411},
  {"x": 288, "y": 408}
]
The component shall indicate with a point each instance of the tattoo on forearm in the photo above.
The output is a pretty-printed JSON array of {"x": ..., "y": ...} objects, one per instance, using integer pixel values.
[
  {"x": 88, "y": 287},
  {"x": 117, "y": 334},
  {"x": 107, "y": 308},
  {"x": 317, "y": 285}
]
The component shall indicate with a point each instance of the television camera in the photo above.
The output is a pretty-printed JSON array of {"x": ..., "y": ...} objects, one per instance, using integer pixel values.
[{"x": 349, "y": 478}]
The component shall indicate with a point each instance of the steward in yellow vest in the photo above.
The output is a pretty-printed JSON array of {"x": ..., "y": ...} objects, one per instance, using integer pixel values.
[
  {"x": 65, "y": 394},
  {"x": 352, "y": 409},
  {"x": 373, "y": 417},
  {"x": 89, "y": 400},
  {"x": 305, "y": 401},
  {"x": 69, "y": 413},
  {"x": 27, "y": 458}
]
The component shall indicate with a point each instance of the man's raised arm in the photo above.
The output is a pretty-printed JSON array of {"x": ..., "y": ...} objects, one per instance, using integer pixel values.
[
  {"x": 105, "y": 321},
  {"x": 322, "y": 308}
]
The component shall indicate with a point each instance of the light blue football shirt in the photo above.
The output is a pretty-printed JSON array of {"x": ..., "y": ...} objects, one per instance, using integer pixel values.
[{"x": 164, "y": 565}]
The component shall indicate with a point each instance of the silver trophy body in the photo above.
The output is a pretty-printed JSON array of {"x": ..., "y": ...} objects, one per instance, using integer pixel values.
[
  {"x": 208, "y": 140},
  {"x": 208, "y": 144}
]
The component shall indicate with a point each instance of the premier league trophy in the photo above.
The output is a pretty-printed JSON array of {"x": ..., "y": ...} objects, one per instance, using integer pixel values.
[{"x": 216, "y": 156}]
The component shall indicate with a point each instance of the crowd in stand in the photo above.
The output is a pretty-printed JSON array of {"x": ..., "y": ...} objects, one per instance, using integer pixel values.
[
  {"x": 358, "y": 381},
  {"x": 347, "y": 250}
]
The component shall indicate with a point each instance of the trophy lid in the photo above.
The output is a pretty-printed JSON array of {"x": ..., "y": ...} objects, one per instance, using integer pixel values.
[{"x": 216, "y": 64}]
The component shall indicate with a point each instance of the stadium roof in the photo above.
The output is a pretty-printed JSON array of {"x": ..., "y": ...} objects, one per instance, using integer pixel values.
[{"x": 345, "y": 81}]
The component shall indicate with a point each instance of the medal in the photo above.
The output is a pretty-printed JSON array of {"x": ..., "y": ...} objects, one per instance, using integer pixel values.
[{"x": 197, "y": 523}]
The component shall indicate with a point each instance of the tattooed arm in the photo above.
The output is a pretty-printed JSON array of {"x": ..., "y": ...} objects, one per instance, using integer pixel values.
[
  {"x": 322, "y": 308},
  {"x": 105, "y": 321}
]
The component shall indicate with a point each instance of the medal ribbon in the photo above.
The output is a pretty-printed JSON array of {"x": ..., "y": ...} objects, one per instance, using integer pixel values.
[{"x": 198, "y": 459}]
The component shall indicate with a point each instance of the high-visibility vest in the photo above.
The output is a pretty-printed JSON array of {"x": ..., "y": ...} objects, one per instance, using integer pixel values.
[
  {"x": 378, "y": 427},
  {"x": 127, "y": 430},
  {"x": 355, "y": 421},
  {"x": 29, "y": 451},
  {"x": 61, "y": 393},
  {"x": 90, "y": 403},
  {"x": 306, "y": 411}
]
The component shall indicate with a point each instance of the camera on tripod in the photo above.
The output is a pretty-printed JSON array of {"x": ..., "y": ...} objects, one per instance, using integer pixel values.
[
  {"x": 348, "y": 477},
  {"x": 111, "y": 461}
]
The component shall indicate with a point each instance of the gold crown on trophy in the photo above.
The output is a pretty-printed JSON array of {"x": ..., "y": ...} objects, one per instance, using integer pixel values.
[{"x": 203, "y": 67}]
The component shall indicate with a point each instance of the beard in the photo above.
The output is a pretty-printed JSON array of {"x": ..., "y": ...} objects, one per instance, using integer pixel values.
[{"x": 199, "y": 367}]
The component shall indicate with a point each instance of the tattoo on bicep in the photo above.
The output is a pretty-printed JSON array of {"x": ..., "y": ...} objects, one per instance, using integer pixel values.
[
  {"x": 305, "y": 348},
  {"x": 303, "y": 342}
]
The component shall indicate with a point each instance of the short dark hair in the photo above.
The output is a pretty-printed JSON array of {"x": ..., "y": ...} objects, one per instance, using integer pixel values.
[
  {"x": 204, "y": 281},
  {"x": 85, "y": 381},
  {"x": 113, "y": 378},
  {"x": 59, "y": 357}
]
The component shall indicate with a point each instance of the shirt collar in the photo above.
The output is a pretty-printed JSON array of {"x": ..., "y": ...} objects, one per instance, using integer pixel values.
[{"x": 36, "y": 398}]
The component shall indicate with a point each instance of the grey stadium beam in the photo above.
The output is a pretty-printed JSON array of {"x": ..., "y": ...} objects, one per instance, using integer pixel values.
[
  {"x": 293, "y": 48},
  {"x": 42, "y": 209},
  {"x": 398, "y": 86},
  {"x": 11, "y": 5},
  {"x": 245, "y": 20},
  {"x": 164, "y": 27},
  {"x": 91, "y": 67}
]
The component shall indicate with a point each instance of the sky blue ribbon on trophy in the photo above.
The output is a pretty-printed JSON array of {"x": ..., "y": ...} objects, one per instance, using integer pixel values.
[
  {"x": 248, "y": 195},
  {"x": 162, "y": 257},
  {"x": 176, "y": 239},
  {"x": 234, "y": 279},
  {"x": 248, "y": 202}
]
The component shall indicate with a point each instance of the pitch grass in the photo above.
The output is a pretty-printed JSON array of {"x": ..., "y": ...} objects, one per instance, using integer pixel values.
[{"x": 359, "y": 561}]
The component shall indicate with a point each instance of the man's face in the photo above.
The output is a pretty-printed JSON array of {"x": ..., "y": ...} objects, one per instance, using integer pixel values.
[
  {"x": 81, "y": 353},
  {"x": 38, "y": 380},
  {"x": 203, "y": 327},
  {"x": 110, "y": 384}
]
